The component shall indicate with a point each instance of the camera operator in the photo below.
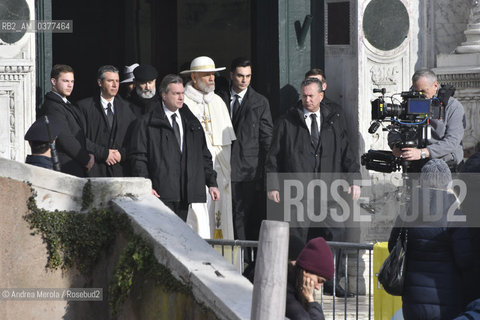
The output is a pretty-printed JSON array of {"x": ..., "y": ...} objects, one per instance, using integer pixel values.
[{"x": 446, "y": 135}]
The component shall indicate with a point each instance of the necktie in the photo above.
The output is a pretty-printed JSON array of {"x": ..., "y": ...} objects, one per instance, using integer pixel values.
[
  {"x": 236, "y": 104},
  {"x": 176, "y": 130},
  {"x": 109, "y": 115},
  {"x": 314, "y": 129}
]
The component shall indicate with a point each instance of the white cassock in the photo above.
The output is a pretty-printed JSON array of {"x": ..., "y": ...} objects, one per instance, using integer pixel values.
[{"x": 211, "y": 111}]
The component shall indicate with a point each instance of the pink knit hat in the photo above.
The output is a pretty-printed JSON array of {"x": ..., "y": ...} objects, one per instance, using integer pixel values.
[{"x": 317, "y": 258}]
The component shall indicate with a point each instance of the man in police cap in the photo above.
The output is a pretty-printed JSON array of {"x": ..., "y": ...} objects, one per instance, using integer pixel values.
[
  {"x": 145, "y": 96},
  {"x": 39, "y": 139}
]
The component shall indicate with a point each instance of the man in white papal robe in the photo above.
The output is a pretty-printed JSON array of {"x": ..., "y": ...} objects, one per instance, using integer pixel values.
[{"x": 212, "y": 113}]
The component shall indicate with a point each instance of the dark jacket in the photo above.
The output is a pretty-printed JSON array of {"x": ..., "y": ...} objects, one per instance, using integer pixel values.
[
  {"x": 253, "y": 127},
  {"x": 293, "y": 151},
  {"x": 100, "y": 138},
  {"x": 70, "y": 143},
  {"x": 155, "y": 154},
  {"x": 141, "y": 106},
  {"x": 472, "y": 312},
  {"x": 39, "y": 161},
  {"x": 472, "y": 164},
  {"x": 437, "y": 260},
  {"x": 294, "y": 309}
]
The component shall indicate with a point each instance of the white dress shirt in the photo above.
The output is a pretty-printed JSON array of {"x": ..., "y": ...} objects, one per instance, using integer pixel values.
[
  {"x": 169, "y": 113},
  {"x": 308, "y": 119},
  {"x": 241, "y": 94},
  {"x": 105, "y": 103}
]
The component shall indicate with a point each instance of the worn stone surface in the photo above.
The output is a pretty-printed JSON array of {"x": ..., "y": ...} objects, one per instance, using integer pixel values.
[
  {"x": 214, "y": 281},
  {"x": 24, "y": 257},
  {"x": 218, "y": 289},
  {"x": 59, "y": 191}
]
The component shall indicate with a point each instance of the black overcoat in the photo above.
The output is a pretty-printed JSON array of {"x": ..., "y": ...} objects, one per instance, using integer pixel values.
[
  {"x": 293, "y": 151},
  {"x": 70, "y": 143},
  {"x": 155, "y": 154},
  {"x": 141, "y": 106},
  {"x": 100, "y": 138},
  {"x": 253, "y": 127}
]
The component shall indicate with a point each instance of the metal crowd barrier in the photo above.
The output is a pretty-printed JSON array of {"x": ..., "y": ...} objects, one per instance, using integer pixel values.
[
  {"x": 363, "y": 302},
  {"x": 245, "y": 246}
]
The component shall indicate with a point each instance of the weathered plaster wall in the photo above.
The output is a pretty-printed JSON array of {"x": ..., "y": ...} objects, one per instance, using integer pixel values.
[{"x": 218, "y": 289}]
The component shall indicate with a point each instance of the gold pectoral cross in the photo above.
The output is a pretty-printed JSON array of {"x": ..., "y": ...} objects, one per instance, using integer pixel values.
[{"x": 205, "y": 121}]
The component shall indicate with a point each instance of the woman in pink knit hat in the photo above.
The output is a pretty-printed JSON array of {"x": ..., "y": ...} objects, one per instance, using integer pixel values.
[{"x": 313, "y": 266}]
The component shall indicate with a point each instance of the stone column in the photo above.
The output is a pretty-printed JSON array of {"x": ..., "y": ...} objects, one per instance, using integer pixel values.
[
  {"x": 381, "y": 53},
  {"x": 472, "y": 45},
  {"x": 462, "y": 69},
  {"x": 17, "y": 80}
]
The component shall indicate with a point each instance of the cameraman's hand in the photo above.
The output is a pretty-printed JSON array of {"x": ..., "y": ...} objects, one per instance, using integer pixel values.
[
  {"x": 413, "y": 153},
  {"x": 397, "y": 152}
]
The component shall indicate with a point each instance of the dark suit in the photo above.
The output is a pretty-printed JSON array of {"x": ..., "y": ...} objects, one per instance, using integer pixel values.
[
  {"x": 253, "y": 127},
  {"x": 292, "y": 150},
  {"x": 101, "y": 138},
  {"x": 70, "y": 143},
  {"x": 178, "y": 177}
]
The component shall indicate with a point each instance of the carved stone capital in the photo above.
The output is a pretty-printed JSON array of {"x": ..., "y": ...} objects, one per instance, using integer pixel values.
[
  {"x": 16, "y": 68},
  {"x": 14, "y": 72}
]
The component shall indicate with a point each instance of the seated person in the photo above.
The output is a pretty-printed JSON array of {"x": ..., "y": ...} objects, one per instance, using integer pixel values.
[{"x": 314, "y": 266}]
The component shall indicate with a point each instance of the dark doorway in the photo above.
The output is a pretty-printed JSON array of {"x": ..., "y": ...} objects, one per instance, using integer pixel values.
[
  {"x": 167, "y": 34},
  {"x": 97, "y": 39}
]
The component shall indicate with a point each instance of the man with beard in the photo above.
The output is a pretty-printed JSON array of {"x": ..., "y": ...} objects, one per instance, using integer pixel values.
[
  {"x": 145, "y": 96},
  {"x": 108, "y": 122},
  {"x": 212, "y": 112},
  {"x": 71, "y": 145}
]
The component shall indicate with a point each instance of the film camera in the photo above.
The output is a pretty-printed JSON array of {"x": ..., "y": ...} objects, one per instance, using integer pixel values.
[{"x": 409, "y": 124}]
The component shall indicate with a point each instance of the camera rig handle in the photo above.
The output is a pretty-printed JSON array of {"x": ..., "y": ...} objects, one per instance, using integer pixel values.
[{"x": 382, "y": 91}]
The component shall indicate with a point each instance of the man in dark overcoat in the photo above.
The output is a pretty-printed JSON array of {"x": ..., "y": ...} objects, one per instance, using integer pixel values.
[
  {"x": 331, "y": 234},
  {"x": 169, "y": 147},
  {"x": 108, "y": 122},
  {"x": 311, "y": 138},
  {"x": 252, "y": 122},
  {"x": 71, "y": 144}
]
